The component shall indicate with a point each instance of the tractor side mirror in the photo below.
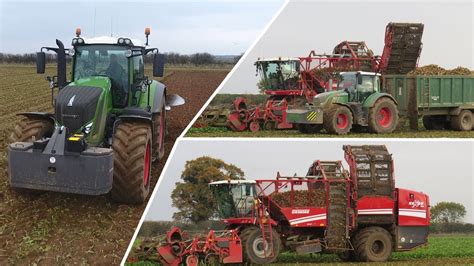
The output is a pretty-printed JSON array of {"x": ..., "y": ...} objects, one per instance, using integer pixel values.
[
  {"x": 359, "y": 79},
  {"x": 40, "y": 62},
  {"x": 158, "y": 65}
]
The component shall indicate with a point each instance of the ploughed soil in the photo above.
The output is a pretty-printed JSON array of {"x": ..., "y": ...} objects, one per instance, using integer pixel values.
[{"x": 50, "y": 227}]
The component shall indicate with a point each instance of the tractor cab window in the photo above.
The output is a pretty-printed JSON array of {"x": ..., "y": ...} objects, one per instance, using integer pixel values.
[
  {"x": 104, "y": 60},
  {"x": 367, "y": 84},
  {"x": 138, "y": 68},
  {"x": 279, "y": 75}
]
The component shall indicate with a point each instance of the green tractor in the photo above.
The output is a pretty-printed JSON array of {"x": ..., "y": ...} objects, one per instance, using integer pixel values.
[
  {"x": 357, "y": 102},
  {"x": 108, "y": 125}
]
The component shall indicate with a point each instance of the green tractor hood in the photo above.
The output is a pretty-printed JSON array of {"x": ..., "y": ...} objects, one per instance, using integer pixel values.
[
  {"x": 325, "y": 98},
  {"x": 82, "y": 107}
]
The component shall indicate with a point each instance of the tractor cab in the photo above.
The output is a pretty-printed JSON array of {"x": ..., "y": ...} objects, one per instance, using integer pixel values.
[
  {"x": 359, "y": 85},
  {"x": 278, "y": 73},
  {"x": 234, "y": 198}
]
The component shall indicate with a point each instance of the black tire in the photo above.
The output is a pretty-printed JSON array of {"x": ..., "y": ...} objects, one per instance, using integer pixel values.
[
  {"x": 383, "y": 116},
  {"x": 373, "y": 244},
  {"x": 29, "y": 129},
  {"x": 347, "y": 255},
  {"x": 338, "y": 119},
  {"x": 132, "y": 162},
  {"x": 251, "y": 238},
  {"x": 159, "y": 133},
  {"x": 463, "y": 121},
  {"x": 434, "y": 122}
]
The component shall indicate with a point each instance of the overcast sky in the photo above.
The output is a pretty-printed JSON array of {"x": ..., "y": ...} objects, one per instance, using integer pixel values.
[
  {"x": 217, "y": 27},
  {"x": 318, "y": 25},
  {"x": 442, "y": 169}
]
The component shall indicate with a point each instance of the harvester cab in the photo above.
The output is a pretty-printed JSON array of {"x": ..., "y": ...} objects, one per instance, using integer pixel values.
[
  {"x": 109, "y": 102},
  {"x": 234, "y": 198},
  {"x": 278, "y": 75}
]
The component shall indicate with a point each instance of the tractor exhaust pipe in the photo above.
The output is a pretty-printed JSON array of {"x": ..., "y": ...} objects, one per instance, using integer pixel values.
[{"x": 61, "y": 58}]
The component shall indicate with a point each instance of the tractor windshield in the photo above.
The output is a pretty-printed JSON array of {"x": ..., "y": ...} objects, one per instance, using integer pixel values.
[
  {"x": 104, "y": 60},
  {"x": 279, "y": 75},
  {"x": 234, "y": 200}
]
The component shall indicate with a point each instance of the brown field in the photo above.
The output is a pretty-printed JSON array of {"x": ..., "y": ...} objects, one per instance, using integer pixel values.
[{"x": 52, "y": 228}]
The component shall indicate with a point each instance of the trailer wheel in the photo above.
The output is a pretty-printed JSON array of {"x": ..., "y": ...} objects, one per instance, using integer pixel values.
[
  {"x": 338, "y": 120},
  {"x": 132, "y": 145},
  {"x": 373, "y": 244},
  {"x": 253, "y": 246},
  {"x": 431, "y": 122},
  {"x": 383, "y": 116},
  {"x": 463, "y": 121},
  {"x": 159, "y": 133}
]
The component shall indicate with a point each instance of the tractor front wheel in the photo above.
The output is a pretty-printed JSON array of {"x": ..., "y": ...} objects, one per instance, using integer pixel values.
[
  {"x": 383, "y": 116},
  {"x": 256, "y": 249},
  {"x": 132, "y": 145},
  {"x": 338, "y": 119},
  {"x": 29, "y": 129},
  {"x": 373, "y": 244}
]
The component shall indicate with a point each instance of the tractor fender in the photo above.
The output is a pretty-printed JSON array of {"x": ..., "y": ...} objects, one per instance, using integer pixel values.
[
  {"x": 159, "y": 96},
  {"x": 370, "y": 101},
  {"x": 40, "y": 115},
  {"x": 120, "y": 119}
]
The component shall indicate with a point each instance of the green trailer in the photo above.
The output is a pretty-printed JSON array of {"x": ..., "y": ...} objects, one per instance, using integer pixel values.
[{"x": 442, "y": 101}]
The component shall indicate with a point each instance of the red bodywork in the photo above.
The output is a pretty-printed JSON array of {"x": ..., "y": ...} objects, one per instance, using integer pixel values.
[{"x": 306, "y": 209}]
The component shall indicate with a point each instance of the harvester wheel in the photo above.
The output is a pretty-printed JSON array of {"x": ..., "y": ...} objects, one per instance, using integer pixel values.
[
  {"x": 269, "y": 125},
  {"x": 254, "y": 126},
  {"x": 192, "y": 260},
  {"x": 373, "y": 244},
  {"x": 463, "y": 121},
  {"x": 132, "y": 145},
  {"x": 338, "y": 120},
  {"x": 431, "y": 122},
  {"x": 256, "y": 250},
  {"x": 383, "y": 116},
  {"x": 347, "y": 255},
  {"x": 159, "y": 133}
]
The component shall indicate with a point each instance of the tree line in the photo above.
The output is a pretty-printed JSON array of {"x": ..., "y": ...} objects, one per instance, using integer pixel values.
[{"x": 170, "y": 58}]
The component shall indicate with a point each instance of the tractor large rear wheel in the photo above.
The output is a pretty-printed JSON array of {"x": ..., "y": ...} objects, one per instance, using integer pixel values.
[
  {"x": 132, "y": 145},
  {"x": 383, "y": 116},
  {"x": 338, "y": 119},
  {"x": 256, "y": 250},
  {"x": 373, "y": 244}
]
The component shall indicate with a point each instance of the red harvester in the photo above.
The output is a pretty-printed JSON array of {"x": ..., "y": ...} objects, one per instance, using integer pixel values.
[
  {"x": 295, "y": 81},
  {"x": 358, "y": 214}
]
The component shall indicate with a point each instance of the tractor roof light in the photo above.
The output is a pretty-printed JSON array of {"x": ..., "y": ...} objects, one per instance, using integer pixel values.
[
  {"x": 147, "y": 32},
  {"x": 71, "y": 52},
  {"x": 78, "y": 32},
  {"x": 80, "y": 41},
  {"x": 128, "y": 41},
  {"x": 128, "y": 53},
  {"x": 120, "y": 41}
]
